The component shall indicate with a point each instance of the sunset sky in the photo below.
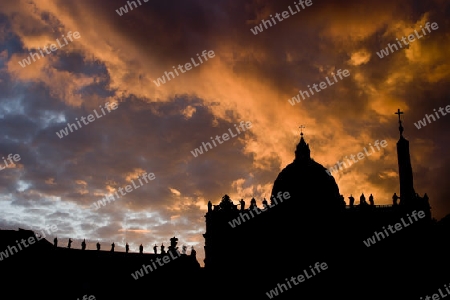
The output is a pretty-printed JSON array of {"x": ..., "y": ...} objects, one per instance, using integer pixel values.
[{"x": 117, "y": 59}]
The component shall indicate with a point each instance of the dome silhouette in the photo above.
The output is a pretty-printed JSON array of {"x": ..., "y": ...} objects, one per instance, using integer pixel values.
[{"x": 308, "y": 183}]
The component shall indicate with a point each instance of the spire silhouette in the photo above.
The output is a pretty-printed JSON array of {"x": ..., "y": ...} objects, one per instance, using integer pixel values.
[
  {"x": 407, "y": 192},
  {"x": 302, "y": 152}
]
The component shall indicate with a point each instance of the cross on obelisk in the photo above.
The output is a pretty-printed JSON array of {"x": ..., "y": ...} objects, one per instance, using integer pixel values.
[
  {"x": 301, "y": 129},
  {"x": 400, "y": 121},
  {"x": 399, "y": 113}
]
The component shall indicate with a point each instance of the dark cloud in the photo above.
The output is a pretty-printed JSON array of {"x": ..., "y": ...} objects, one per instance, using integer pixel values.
[{"x": 154, "y": 129}]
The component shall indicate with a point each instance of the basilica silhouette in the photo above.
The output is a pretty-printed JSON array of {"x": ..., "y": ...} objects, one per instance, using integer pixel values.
[
  {"x": 304, "y": 242},
  {"x": 367, "y": 257}
]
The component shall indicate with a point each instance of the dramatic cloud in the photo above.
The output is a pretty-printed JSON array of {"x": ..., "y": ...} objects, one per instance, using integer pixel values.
[{"x": 118, "y": 58}]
